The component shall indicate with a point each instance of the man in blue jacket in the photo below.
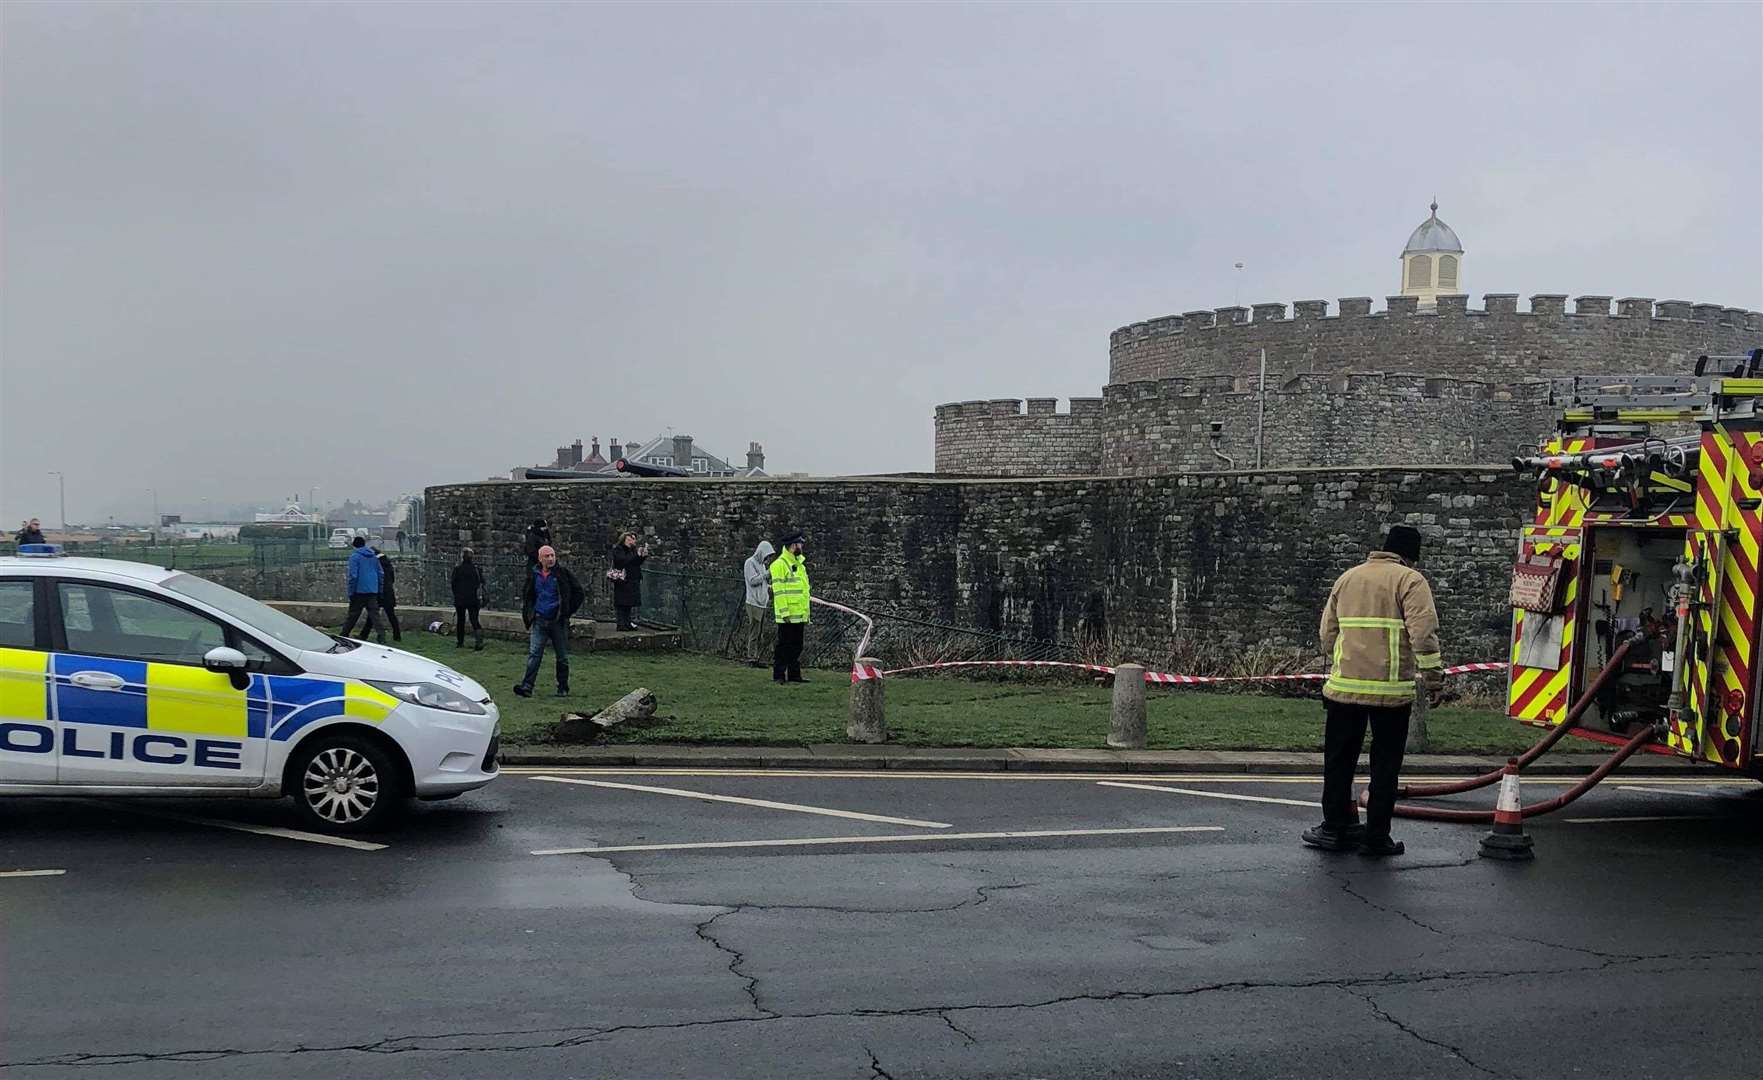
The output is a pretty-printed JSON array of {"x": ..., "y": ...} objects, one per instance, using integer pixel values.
[{"x": 364, "y": 590}]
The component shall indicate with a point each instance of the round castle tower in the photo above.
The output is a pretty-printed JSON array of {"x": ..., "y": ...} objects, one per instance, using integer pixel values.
[{"x": 1427, "y": 380}]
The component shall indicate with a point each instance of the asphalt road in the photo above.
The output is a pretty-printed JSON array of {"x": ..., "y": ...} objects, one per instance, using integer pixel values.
[{"x": 173, "y": 947}]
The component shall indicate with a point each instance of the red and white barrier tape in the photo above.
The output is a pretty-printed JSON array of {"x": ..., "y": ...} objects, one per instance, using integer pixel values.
[
  {"x": 861, "y": 672},
  {"x": 868, "y": 625}
]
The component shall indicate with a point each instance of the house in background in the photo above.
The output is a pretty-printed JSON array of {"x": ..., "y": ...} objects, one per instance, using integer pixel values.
[{"x": 676, "y": 451}]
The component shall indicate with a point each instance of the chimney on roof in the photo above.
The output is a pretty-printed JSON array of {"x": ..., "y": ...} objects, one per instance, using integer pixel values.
[
  {"x": 613, "y": 450},
  {"x": 595, "y": 447},
  {"x": 755, "y": 456},
  {"x": 682, "y": 451},
  {"x": 575, "y": 453}
]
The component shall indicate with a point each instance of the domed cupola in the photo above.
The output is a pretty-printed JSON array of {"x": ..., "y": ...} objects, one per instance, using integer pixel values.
[{"x": 1432, "y": 263}]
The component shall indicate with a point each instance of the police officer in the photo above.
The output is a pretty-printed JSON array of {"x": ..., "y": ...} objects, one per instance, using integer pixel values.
[
  {"x": 789, "y": 607},
  {"x": 1380, "y": 627}
]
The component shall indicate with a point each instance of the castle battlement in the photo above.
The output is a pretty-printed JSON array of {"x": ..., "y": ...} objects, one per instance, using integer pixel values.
[
  {"x": 1542, "y": 305},
  {"x": 1011, "y": 408}
]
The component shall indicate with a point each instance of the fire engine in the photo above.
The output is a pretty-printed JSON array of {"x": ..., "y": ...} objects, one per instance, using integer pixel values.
[{"x": 1635, "y": 591}]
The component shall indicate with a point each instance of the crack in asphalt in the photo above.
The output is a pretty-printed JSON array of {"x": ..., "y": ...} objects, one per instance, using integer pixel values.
[
  {"x": 736, "y": 959},
  {"x": 1383, "y": 1014},
  {"x": 982, "y": 894},
  {"x": 876, "y": 1070},
  {"x": 443, "y": 1043},
  {"x": 957, "y": 1028},
  {"x": 1347, "y": 887}
]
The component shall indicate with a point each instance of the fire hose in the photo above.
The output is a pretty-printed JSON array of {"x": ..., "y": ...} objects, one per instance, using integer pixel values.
[
  {"x": 1547, "y": 806},
  {"x": 1543, "y": 745}
]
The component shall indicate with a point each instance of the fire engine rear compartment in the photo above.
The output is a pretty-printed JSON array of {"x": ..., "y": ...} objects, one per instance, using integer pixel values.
[{"x": 1626, "y": 585}]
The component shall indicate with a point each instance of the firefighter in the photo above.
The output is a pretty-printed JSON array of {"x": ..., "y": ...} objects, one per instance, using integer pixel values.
[{"x": 1380, "y": 627}]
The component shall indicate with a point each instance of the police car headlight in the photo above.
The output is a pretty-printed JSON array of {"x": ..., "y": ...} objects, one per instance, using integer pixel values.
[{"x": 430, "y": 695}]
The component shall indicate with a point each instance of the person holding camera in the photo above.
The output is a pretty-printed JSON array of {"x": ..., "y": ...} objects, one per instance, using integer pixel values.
[{"x": 626, "y": 576}]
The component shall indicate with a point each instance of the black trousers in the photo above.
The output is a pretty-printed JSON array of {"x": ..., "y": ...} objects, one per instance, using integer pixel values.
[
  {"x": 1342, "y": 740},
  {"x": 359, "y": 602},
  {"x": 459, "y": 614},
  {"x": 626, "y": 620},
  {"x": 389, "y": 608},
  {"x": 786, "y": 657}
]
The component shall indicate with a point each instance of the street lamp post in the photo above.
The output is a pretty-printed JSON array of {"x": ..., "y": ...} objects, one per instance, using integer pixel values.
[{"x": 61, "y": 483}]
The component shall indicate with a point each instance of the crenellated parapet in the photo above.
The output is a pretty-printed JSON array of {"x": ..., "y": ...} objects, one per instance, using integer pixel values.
[
  {"x": 998, "y": 437},
  {"x": 1555, "y": 336}
]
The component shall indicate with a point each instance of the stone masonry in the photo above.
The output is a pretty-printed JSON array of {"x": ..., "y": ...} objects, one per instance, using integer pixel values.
[
  {"x": 1451, "y": 385},
  {"x": 1153, "y": 567}
]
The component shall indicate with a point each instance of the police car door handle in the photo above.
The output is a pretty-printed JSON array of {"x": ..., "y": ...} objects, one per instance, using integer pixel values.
[{"x": 97, "y": 680}]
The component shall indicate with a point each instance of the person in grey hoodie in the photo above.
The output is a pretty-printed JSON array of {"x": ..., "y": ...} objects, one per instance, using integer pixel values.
[{"x": 757, "y": 610}]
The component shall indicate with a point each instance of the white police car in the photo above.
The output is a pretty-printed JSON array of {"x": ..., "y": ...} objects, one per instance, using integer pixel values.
[{"x": 120, "y": 678}]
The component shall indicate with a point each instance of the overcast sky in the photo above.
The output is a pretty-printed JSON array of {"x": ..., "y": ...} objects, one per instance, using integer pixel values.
[{"x": 253, "y": 248}]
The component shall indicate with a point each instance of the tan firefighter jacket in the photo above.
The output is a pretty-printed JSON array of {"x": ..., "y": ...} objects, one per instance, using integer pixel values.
[{"x": 1379, "y": 626}]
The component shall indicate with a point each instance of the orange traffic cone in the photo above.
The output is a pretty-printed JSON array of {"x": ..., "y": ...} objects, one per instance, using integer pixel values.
[{"x": 1507, "y": 841}]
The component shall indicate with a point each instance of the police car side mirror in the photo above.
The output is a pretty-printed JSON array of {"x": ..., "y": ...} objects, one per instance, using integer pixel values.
[{"x": 224, "y": 661}]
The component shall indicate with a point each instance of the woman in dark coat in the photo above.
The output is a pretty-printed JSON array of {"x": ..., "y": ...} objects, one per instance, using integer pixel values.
[
  {"x": 627, "y": 579},
  {"x": 389, "y": 598},
  {"x": 468, "y": 599}
]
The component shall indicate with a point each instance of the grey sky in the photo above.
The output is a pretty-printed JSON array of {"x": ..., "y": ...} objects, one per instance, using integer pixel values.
[{"x": 250, "y": 248}]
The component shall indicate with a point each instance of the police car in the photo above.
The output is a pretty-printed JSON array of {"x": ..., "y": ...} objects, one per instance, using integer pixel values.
[{"x": 120, "y": 678}]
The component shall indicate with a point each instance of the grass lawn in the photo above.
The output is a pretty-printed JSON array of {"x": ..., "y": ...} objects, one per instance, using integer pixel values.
[{"x": 707, "y": 700}]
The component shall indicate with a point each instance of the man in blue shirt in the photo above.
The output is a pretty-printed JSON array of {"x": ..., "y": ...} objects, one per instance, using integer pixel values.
[
  {"x": 363, "y": 577},
  {"x": 552, "y": 596}
]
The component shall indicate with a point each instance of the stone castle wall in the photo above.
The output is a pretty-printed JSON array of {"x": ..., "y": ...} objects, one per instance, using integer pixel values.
[
  {"x": 996, "y": 438},
  {"x": 1497, "y": 342},
  {"x": 1154, "y": 566},
  {"x": 1319, "y": 420},
  {"x": 1336, "y": 395}
]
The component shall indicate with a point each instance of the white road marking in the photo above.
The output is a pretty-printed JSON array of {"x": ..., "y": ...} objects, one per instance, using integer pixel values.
[
  {"x": 913, "y": 838},
  {"x": 766, "y": 804},
  {"x": 32, "y": 873},
  {"x": 1645, "y": 817},
  {"x": 1680, "y": 791},
  {"x": 261, "y": 830},
  {"x": 1211, "y": 794},
  {"x": 794, "y": 773}
]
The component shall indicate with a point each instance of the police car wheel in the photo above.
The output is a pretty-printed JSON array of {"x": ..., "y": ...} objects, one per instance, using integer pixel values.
[{"x": 345, "y": 783}]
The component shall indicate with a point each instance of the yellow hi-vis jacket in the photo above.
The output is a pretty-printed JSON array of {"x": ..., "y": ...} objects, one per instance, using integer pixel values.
[
  {"x": 1380, "y": 626},
  {"x": 789, "y": 588}
]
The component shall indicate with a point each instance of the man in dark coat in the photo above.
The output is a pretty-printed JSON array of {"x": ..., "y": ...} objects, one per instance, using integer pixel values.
[
  {"x": 389, "y": 597},
  {"x": 468, "y": 600},
  {"x": 551, "y": 596},
  {"x": 627, "y": 579}
]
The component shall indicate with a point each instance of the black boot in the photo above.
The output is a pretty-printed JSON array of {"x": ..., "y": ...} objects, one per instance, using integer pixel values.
[
  {"x": 1335, "y": 837},
  {"x": 1378, "y": 847}
]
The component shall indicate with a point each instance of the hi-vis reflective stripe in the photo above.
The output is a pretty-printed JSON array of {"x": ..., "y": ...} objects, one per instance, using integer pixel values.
[
  {"x": 1392, "y": 629},
  {"x": 24, "y": 691},
  {"x": 1428, "y": 660},
  {"x": 1376, "y": 687}
]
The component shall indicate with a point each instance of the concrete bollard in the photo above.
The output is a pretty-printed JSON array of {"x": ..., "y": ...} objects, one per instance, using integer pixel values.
[
  {"x": 1126, "y": 720},
  {"x": 867, "y": 722},
  {"x": 1417, "y": 720}
]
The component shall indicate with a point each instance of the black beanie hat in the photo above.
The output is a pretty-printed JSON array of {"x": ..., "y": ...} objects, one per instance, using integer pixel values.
[{"x": 1403, "y": 540}]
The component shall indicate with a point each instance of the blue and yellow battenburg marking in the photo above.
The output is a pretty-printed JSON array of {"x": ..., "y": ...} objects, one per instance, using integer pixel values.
[{"x": 35, "y": 686}]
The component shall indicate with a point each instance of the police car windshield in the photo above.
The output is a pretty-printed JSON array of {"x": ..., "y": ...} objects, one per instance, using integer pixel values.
[{"x": 259, "y": 616}]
